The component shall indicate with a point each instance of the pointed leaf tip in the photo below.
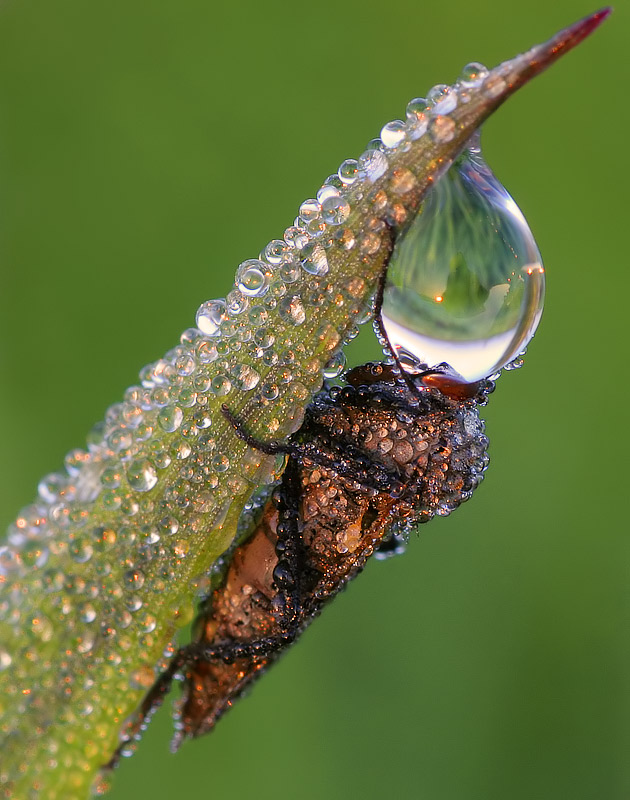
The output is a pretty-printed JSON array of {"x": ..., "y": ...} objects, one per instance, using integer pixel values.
[
  {"x": 520, "y": 70},
  {"x": 574, "y": 34}
]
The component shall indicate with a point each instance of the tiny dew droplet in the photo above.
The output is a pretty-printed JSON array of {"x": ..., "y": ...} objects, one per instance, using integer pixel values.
[
  {"x": 348, "y": 171},
  {"x": 142, "y": 475},
  {"x": 314, "y": 260},
  {"x": 170, "y": 418},
  {"x": 134, "y": 579},
  {"x": 443, "y": 99},
  {"x": 220, "y": 385},
  {"x": 252, "y": 278},
  {"x": 465, "y": 284},
  {"x": 309, "y": 210},
  {"x": 372, "y": 164},
  {"x": 335, "y": 365},
  {"x": 393, "y": 134},
  {"x": 292, "y": 310},
  {"x": 473, "y": 74},
  {"x": 335, "y": 210},
  {"x": 210, "y": 315},
  {"x": 245, "y": 377}
]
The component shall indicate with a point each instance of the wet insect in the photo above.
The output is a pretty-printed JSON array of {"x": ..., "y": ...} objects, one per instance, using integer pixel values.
[{"x": 373, "y": 459}]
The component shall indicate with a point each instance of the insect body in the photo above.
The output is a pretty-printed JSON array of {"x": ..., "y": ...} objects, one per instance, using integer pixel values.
[{"x": 369, "y": 455}]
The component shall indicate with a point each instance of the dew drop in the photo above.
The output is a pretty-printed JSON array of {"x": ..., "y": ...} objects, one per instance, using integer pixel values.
[
  {"x": 417, "y": 117},
  {"x": 88, "y": 613},
  {"x": 335, "y": 366},
  {"x": 220, "y": 385},
  {"x": 257, "y": 316},
  {"x": 333, "y": 181},
  {"x": 210, "y": 315},
  {"x": 221, "y": 463},
  {"x": 277, "y": 251},
  {"x": 187, "y": 398},
  {"x": 393, "y": 134},
  {"x": 314, "y": 260},
  {"x": 326, "y": 192},
  {"x": 335, "y": 210},
  {"x": 80, "y": 551},
  {"x": 245, "y": 377},
  {"x": 296, "y": 237},
  {"x": 292, "y": 310},
  {"x": 134, "y": 601},
  {"x": 473, "y": 75},
  {"x": 86, "y": 643},
  {"x": 170, "y": 418},
  {"x": 252, "y": 278},
  {"x": 185, "y": 365},
  {"x": 310, "y": 210},
  {"x": 206, "y": 353},
  {"x": 465, "y": 284},
  {"x": 148, "y": 623},
  {"x": 289, "y": 271},
  {"x": 349, "y": 171},
  {"x": 51, "y": 486},
  {"x": 372, "y": 164},
  {"x": 236, "y": 303},
  {"x": 134, "y": 580},
  {"x": 142, "y": 475},
  {"x": 269, "y": 391},
  {"x": 443, "y": 99}
]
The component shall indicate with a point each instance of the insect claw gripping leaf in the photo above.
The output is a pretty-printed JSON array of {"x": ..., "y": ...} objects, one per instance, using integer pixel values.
[{"x": 100, "y": 571}]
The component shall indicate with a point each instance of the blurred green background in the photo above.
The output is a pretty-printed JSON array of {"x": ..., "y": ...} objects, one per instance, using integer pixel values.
[{"x": 146, "y": 148}]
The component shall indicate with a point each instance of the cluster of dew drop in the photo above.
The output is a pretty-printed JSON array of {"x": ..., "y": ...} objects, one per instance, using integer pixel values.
[{"x": 89, "y": 564}]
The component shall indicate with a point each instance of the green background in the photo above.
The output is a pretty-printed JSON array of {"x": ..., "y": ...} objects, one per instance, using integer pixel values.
[{"x": 146, "y": 148}]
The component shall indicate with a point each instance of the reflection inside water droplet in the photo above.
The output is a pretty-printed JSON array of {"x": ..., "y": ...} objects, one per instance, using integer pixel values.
[{"x": 465, "y": 284}]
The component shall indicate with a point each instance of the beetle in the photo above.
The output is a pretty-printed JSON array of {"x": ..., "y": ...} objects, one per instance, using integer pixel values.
[{"x": 372, "y": 459}]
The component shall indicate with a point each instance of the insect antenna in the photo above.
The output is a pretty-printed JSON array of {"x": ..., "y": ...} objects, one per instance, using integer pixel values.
[{"x": 381, "y": 333}]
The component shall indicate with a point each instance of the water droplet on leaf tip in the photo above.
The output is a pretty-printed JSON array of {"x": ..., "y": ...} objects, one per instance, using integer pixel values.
[{"x": 465, "y": 284}]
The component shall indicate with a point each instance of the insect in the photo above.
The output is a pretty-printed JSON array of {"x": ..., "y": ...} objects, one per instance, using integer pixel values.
[{"x": 372, "y": 459}]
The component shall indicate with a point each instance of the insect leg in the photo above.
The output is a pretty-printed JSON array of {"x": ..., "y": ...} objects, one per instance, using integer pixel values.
[
  {"x": 269, "y": 448},
  {"x": 150, "y": 704},
  {"x": 370, "y": 477}
]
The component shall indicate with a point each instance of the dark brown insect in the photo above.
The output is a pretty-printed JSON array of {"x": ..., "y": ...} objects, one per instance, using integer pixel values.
[{"x": 373, "y": 454}]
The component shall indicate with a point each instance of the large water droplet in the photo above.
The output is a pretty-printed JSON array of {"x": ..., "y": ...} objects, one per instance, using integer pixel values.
[{"x": 465, "y": 284}]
